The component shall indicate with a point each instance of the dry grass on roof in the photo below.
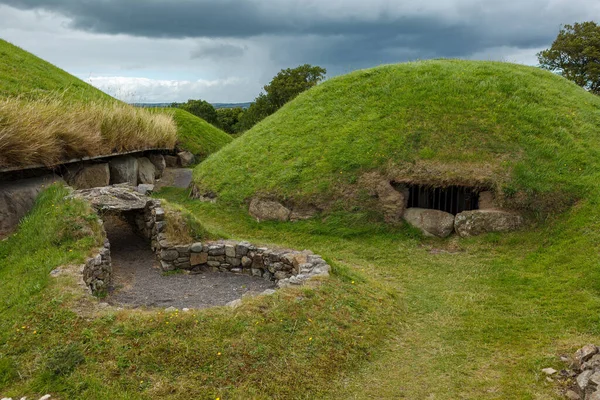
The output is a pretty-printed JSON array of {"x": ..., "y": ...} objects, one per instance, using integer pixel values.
[{"x": 49, "y": 131}]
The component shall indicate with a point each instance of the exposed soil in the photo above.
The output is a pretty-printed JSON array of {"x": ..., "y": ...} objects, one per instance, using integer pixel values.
[{"x": 138, "y": 280}]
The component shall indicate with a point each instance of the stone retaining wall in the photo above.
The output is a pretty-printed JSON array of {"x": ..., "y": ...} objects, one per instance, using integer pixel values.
[
  {"x": 286, "y": 267},
  {"x": 97, "y": 270}
]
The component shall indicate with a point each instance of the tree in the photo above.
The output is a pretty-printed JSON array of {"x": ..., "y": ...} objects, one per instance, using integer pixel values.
[
  {"x": 289, "y": 83},
  {"x": 575, "y": 54},
  {"x": 286, "y": 85},
  {"x": 229, "y": 118},
  {"x": 200, "y": 108}
]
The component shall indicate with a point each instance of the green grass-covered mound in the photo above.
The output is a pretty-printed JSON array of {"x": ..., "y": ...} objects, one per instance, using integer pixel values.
[
  {"x": 532, "y": 136},
  {"x": 195, "y": 134}
]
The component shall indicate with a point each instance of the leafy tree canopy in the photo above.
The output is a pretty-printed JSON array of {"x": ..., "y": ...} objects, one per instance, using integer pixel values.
[
  {"x": 286, "y": 85},
  {"x": 229, "y": 118},
  {"x": 575, "y": 54},
  {"x": 200, "y": 108}
]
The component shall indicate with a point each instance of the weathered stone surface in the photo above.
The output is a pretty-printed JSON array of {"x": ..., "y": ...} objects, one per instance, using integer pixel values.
[
  {"x": 198, "y": 258},
  {"x": 216, "y": 250},
  {"x": 17, "y": 199},
  {"x": 246, "y": 262},
  {"x": 593, "y": 396},
  {"x": 583, "y": 379},
  {"x": 585, "y": 353},
  {"x": 477, "y": 222},
  {"x": 230, "y": 250},
  {"x": 196, "y": 247},
  {"x": 571, "y": 395},
  {"x": 88, "y": 176},
  {"x": 241, "y": 249},
  {"x": 186, "y": 159},
  {"x": 391, "y": 201},
  {"x": 159, "y": 164},
  {"x": 119, "y": 198},
  {"x": 145, "y": 188},
  {"x": 549, "y": 371},
  {"x": 430, "y": 222},
  {"x": 146, "y": 170},
  {"x": 267, "y": 210},
  {"x": 172, "y": 161},
  {"x": 124, "y": 170},
  {"x": 169, "y": 255}
]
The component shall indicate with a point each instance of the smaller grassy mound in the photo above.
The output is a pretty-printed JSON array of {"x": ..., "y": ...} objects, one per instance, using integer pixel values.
[
  {"x": 531, "y": 136},
  {"x": 196, "y": 135},
  {"x": 48, "y": 116}
]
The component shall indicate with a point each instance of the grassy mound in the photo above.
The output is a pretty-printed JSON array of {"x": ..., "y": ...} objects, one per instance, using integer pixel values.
[
  {"x": 48, "y": 116},
  {"x": 528, "y": 134},
  {"x": 196, "y": 135}
]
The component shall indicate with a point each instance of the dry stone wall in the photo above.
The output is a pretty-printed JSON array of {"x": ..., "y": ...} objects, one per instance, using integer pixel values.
[{"x": 97, "y": 270}]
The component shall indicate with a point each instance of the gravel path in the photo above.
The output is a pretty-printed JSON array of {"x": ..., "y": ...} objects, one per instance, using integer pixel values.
[{"x": 138, "y": 281}]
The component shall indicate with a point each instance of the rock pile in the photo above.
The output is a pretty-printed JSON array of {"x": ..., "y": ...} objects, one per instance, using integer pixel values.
[{"x": 582, "y": 377}]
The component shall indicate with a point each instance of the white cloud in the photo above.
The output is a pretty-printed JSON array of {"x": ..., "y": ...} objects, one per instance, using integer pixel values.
[{"x": 145, "y": 90}]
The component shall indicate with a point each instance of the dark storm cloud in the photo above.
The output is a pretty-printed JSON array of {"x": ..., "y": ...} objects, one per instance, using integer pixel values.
[
  {"x": 318, "y": 32},
  {"x": 218, "y": 51}
]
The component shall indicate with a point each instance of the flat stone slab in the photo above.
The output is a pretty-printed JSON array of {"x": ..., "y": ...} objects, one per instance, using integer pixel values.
[
  {"x": 175, "y": 177},
  {"x": 113, "y": 198}
]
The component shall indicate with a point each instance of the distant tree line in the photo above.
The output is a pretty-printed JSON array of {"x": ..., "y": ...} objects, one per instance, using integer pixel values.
[{"x": 285, "y": 86}]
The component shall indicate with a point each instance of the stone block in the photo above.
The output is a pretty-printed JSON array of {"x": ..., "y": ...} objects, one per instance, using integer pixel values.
[
  {"x": 196, "y": 247},
  {"x": 198, "y": 258},
  {"x": 230, "y": 250}
]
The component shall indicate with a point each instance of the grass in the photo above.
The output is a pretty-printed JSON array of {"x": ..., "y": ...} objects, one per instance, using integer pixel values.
[
  {"x": 528, "y": 134},
  {"x": 48, "y": 131},
  {"x": 287, "y": 345},
  {"x": 196, "y": 135}
]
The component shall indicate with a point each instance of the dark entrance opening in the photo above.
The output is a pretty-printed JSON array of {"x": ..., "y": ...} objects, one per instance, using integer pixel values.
[{"x": 451, "y": 199}]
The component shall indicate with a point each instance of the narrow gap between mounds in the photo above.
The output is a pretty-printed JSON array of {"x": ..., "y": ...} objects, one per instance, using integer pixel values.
[
  {"x": 450, "y": 199},
  {"x": 138, "y": 280}
]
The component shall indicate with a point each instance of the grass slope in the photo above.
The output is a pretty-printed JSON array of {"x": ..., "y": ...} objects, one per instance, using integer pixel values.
[
  {"x": 196, "y": 135},
  {"x": 523, "y": 131},
  {"x": 25, "y": 75}
]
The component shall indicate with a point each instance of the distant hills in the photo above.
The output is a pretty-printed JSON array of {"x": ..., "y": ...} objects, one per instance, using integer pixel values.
[{"x": 215, "y": 105}]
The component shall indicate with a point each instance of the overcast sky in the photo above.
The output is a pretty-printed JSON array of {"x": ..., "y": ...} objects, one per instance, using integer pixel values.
[{"x": 226, "y": 50}]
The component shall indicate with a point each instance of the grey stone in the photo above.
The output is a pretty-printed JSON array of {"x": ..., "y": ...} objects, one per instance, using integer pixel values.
[
  {"x": 585, "y": 353},
  {"x": 477, "y": 222},
  {"x": 583, "y": 379},
  {"x": 17, "y": 199},
  {"x": 230, "y": 250},
  {"x": 281, "y": 275},
  {"x": 234, "y": 303},
  {"x": 159, "y": 214},
  {"x": 159, "y": 164},
  {"x": 571, "y": 395},
  {"x": 430, "y": 222},
  {"x": 198, "y": 258},
  {"x": 145, "y": 188},
  {"x": 246, "y": 262},
  {"x": 595, "y": 378},
  {"x": 123, "y": 170},
  {"x": 88, "y": 176},
  {"x": 169, "y": 255},
  {"x": 234, "y": 261},
  {"x": 160, "y": 226},
  {"x": 213, "y": 264},
  {"x": 267, "y": 210},
  {"x": 146, "y": 170},
  {"x": 256, "y": 272},
  {"x": 236, "y": 270},
  {"x": 171, "y": 310},
  {"x": 196, "y": 247},
  {"x": 220, "y": 259},
  {"x": 268, "y": 292},
  {"x": 593, "y": 396},
  {"x": 216, "y": 250},
  {"x": 172, "y": 161},
  {"x": 186, "y": 159},
  {"x": 183, "y": 249},
  {"x": 549, "y": 371},
  {"x": 241, "y": 249}
]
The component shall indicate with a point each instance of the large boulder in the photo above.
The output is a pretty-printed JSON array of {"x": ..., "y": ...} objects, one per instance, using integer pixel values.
[
  {"x": 159, "y": 163},
  {"x": 146, "y": 171},
  {"x": 124, "y": 170},
  {"x": 391, "y": 201},
  {"x": 88, "y": 176},
  {"x": 477, "y": 222},
  {"x": 430, "y": 222},
  {"x": 267, "y": 210},
  {"x": 186, "y": 159},
  {"x": 17, "y": 199}
]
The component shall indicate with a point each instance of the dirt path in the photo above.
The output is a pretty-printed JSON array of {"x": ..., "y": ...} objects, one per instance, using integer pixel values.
[{"x": 138, "y": 281}]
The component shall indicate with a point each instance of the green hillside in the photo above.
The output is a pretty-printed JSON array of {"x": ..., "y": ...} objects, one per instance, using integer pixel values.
[
  {"x": 196, "y": 135},
  {"x": 530, "y": 135},
  {"x": 24, "y": 74}
]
